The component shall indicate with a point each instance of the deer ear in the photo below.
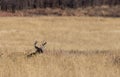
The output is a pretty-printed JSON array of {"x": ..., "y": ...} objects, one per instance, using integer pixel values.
[
  {"x": 45, "y": 42},
  {"x": 35, "y": 42}
]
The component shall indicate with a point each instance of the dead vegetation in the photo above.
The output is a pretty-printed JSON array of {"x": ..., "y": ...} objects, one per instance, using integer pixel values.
[
  {"x": 77, "y": 47},
  {"x": 105, "y": 11},
  {"x": 61, "y": 63}
]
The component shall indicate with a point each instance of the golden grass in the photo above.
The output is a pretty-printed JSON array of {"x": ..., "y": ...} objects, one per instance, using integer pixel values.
[{"x": 77, "y": 47}]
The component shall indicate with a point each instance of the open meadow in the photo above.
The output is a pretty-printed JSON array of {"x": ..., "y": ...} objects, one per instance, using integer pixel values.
[{"x": 76, "y": 46}]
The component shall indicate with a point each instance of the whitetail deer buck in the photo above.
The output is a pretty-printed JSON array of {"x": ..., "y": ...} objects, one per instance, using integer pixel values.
[{"x": 38, "y": 49}]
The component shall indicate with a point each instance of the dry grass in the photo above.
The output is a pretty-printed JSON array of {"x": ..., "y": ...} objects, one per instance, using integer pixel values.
[
  {"x": 77, "y": 47},
  {"x": 104, "y": 11}
]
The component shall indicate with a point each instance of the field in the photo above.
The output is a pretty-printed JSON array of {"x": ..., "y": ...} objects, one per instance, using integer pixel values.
[{"x": 76, "y": 46}]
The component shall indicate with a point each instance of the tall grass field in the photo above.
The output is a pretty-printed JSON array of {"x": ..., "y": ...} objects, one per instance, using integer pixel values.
[{"x": 76, "y": 46}]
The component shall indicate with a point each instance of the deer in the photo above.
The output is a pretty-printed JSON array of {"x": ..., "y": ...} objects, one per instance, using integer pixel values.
[{"x": 39, "y": 50}]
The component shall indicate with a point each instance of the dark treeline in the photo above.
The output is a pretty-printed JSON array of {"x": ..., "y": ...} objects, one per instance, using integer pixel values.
[{"x": 30, "y": 4}]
